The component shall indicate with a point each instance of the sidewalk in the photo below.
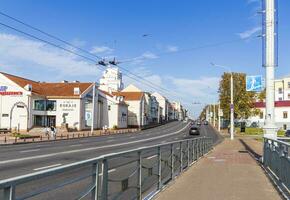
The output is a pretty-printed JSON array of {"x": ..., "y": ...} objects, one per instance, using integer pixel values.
[{"x": 227, "y": 173}]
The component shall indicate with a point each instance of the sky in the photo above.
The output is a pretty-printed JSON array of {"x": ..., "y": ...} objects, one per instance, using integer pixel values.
[{"x": 170, "y": 43}]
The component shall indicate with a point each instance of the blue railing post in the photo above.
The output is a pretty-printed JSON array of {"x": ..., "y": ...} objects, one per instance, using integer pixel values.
[
  {"x": 172, "y": 161},
  {"x": 139, "y": 177},
  {"x": 180, "y": 170},
  {"x": 9, "y": 193}
]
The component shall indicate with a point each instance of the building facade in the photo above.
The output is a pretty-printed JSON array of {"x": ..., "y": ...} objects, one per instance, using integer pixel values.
[
  {"x": 111, "y": 80},
  {"x": 26, "y": 104},
  {"x": 164, "y": 104}
]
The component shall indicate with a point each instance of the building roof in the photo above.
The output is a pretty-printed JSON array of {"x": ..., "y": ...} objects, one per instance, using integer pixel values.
[
  {"x": 130, "y": 96},
  {"x": 277, "y": 104},
  {"x": 55, "y": 90}
]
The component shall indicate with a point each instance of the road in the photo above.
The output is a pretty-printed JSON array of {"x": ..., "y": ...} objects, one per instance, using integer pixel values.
[{"x": 23, "y": 159}]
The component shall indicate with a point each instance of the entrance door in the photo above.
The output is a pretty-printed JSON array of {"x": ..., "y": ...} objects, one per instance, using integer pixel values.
[{"x": 50, "y": 120}]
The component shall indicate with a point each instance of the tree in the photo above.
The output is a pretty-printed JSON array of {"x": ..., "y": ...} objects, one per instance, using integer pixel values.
[{"x": 243, "y": 100}]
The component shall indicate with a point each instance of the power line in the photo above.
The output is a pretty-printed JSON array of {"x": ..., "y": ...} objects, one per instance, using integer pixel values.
[
  {"x": 67, "y": 43},
  {"x": 70, "y": 51}
]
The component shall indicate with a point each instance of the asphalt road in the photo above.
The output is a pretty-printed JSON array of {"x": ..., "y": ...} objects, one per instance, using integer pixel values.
[{"x": 23, "y": 159}]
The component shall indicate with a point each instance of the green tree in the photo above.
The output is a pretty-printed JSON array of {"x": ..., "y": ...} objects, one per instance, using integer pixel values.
[{"x": 243, "y": 100}]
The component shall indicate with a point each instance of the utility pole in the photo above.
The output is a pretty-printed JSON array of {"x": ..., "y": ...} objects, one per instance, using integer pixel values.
[
  {"x": 232, "y": 107},
  {"x": 214, "y": 115},
  {"x": 269, "y": 27},
  {"x": 219, "y": 116}
]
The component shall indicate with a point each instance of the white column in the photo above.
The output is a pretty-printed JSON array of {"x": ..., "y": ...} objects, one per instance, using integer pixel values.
[
  {"x": 93, "y": 108},
  {"x": 270, "y": 128}
]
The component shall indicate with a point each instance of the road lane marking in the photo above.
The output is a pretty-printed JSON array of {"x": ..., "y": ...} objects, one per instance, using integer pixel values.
[
  {"x": 132, "y": 137},
  {"x": 31, "y": 150},
  {"x": 76, "y": 145},
  {"x": 149, "y": 158},
  {"x": 110, "y": 141},
  {"x": 90, "y": 148},
  {"x": 46, "y": 167}
]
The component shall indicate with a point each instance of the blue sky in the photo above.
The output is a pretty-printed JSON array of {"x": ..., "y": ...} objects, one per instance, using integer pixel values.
[{"x": 114, "y": 28}]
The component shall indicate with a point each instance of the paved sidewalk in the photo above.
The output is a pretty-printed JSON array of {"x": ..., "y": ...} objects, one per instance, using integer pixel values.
[{"x": 227, "y": 173}]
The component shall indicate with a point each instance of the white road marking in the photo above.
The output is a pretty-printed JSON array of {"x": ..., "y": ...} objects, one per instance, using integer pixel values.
[
  {"x": 46, "y": 167},
  {"x": 76, "y": 145},
  {"x": 89, "y": 149},
  {"x": 31, "y": 150},
  {"x": 132, "y": 137},
  {"x": 149, "y": 158},
  {"x": 110, "y": 140}
]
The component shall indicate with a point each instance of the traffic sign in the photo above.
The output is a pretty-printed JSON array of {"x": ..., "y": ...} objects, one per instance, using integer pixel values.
[{"x": 254, "y": 83}]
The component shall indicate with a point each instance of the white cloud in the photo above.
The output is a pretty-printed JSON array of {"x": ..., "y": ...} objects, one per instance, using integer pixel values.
[
  {"x": 172, "y": 48},
  {"x": 101, "y": 50},
  {"x": 187, "y": 91},
  {"x": 148, "y": 55},
  {"x": 249, "y": 33},
  {"x": 36, "y": 57}
]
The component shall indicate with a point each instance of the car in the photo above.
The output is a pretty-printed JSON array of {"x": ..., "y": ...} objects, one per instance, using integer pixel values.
[
  {"x": 205, "y": 122},
  {"x": 194, "y": 130},
  {"x": 198, "y": 123},
  {"x": 287, "y": 133}
]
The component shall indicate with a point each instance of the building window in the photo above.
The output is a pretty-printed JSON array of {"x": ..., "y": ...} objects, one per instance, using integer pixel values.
[
  {"x": 50, "y": 105},
  {"x": 285, "y": 126},
  {"x": 280, "y": 90},
  {"x": 261, "y": 115},
  {"x": 285, "y": 114},
  {"x": 39, "y": 105},
  {"x": 45, "y": 105},
  {"x": 280, "y": 99},
  {"x": 288, "y": 95},
  {"x": 288, "y": 84}
]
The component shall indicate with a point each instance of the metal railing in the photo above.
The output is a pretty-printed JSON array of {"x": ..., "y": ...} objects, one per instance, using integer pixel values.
[
  {"x": 276, "y": 159},
  {"x": 133, "y": 174}
]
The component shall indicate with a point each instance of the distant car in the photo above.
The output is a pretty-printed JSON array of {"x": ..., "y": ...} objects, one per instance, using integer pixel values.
[
  {"x": 198, "y": 123},
  {"x": 194, "y": 130},
  {"x": 287, "y": 133},
  {"x": 205, "y": 122}
]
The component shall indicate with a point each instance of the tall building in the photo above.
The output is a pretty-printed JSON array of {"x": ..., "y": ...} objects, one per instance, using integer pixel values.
[{"x": 111, "y": 80}]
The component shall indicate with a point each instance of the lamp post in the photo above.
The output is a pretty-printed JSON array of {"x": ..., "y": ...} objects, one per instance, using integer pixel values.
[{"x": 232, "y": 98}]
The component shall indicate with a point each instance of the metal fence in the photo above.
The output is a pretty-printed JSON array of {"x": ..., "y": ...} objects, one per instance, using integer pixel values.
[
  {"x": 276, "y": 159},
  {"x": 133, "y": 174}
]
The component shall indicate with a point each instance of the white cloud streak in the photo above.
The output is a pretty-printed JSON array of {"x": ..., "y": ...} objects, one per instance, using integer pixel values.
[{"x": 249, "y": 33}]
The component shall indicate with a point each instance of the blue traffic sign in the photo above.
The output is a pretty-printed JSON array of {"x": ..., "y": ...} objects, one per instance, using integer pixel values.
[{"x": 254, "y": 83}]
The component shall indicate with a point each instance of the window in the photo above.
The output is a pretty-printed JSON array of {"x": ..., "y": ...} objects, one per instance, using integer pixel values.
[
  {"x": 261, "y": 115},
  {"x": 288, "y": 95},
  {"x": 285, "y": 127},
  {"x": 39, "y": 105},
  {"x": 50, "y": 105},
  {"x": 288, "y": 84},
  {"x": 280, "y": 90},
  {"x": 45, "y": 105},
  {"x": 280, "y": 99},
  {"x": 285, "y": 114}
]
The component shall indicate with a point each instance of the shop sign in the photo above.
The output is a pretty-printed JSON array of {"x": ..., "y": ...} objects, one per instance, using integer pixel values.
[
  {"x": 68, "y": 106},
  {"x": 4, "y": 92}
]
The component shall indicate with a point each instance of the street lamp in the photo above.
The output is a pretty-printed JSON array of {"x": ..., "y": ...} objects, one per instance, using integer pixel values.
[{"x": 232, "y": 97}]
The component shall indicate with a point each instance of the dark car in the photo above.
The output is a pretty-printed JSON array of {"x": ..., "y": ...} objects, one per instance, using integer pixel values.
[
  {"x": 205, "y": 122},
  {"x": 198, "y": 123},
  {"x": 194, "y": 130},
  {"x": 287, "y": 133}
]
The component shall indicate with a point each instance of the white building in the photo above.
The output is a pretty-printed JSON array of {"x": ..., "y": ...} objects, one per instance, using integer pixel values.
[
  {"x": 27, "y": 104},
  {"x": 282, "y": 106},
  {"x": 111, "y": 80},
  {"x": 164, "y": 104}
]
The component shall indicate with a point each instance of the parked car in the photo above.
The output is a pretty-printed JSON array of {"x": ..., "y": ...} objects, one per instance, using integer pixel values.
[
  {"x": 205, "y": 122},
  {"x": 194, "y": 130},
  {"x": 287, "y": 133}
]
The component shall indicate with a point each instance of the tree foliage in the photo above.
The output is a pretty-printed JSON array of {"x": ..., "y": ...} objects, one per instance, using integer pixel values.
[{"x": 243, "y": 100}]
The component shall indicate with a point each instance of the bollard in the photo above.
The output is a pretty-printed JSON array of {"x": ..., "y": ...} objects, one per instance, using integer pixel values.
[{"x": 5, "y": 140}]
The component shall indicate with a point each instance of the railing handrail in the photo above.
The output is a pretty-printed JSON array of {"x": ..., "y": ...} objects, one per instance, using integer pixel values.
[
  {"x": 48, "y": 172},
  {"x": 278, "y": 141}
]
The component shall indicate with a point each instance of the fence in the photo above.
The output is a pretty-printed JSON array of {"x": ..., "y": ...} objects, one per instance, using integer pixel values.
[
  {"x": 276, "y": 159},
  {"x": 133, "y": 174}
]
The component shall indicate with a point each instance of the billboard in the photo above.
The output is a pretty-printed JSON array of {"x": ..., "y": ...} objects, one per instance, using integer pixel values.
[{"x": 254, "y": 83}]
